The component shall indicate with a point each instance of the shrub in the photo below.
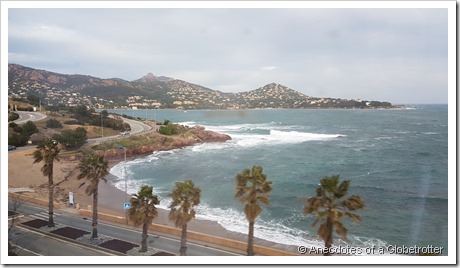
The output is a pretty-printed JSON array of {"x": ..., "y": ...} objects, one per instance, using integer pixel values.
[
  {"x": 12, "y": 125},
  {"x": 29, "y": 128},
  {"x": 18, "y": 139},
  {"x": 53, "y": 123},
  {"x": 13, "y": 116},
  {"x": 72, "y": 138},
  {"x": 17, "y": 129},
  {"x": 73, "y": 122},
  {"x": 166, "y": 130}
]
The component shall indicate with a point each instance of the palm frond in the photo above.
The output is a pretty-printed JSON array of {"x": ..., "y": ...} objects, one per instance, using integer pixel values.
[{"x": 329, "y": 206}]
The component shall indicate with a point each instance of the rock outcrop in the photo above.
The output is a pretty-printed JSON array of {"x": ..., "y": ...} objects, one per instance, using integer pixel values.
[
  {"x": 209, "y": 136},
  {"x": 195, "y": 135}
]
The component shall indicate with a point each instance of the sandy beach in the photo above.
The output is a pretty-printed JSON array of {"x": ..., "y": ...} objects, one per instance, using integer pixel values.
[{"x": 22, "y": 173}]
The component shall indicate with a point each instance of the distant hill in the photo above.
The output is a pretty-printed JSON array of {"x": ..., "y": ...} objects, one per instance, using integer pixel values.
[{"x": 151, "y": 91}]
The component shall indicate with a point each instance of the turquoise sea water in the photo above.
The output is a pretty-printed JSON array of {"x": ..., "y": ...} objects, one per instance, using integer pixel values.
[{"x": 396, "y": 160}]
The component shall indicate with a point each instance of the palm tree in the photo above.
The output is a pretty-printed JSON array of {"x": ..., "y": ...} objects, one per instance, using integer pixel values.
[
  {"x": 143, "y": 211},
  {"x": 252, "y": 187},
  {"x": 184, "y": 197},
  {"x": 48, "y": 152},
  {"x": 94, "y": 168},
  {"x": 330, "y": 206}
]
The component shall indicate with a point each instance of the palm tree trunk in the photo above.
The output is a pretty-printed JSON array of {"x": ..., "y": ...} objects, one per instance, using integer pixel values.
[
  {"x": 144, "y": 237},
  {"x": 328, "y": 240},
  {"x": 250, "y": 249},
  {"x": 183, "y": 241},
  {"x": 50, "y": 199},
  {"x": 95, "y": 195}
]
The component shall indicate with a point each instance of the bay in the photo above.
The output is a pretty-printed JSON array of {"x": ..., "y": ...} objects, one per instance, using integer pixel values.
[{"x": 396, "y": 160}]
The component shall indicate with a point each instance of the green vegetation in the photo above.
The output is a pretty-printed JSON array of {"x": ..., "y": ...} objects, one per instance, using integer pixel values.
[
  {"x": 143, "y": 210},
  {"x": 166, "y": 130},
  {"x": 12, "y": 116},
  {"x": 169, "y": 128},
  {"x": 20, "y": 135},
  {"x": 72, "y": 139},
  {"x": 29, "y": 128},
  {"x": 329, "y": 207},
  {"x": 252, "y": 188},
  {"x": 48, "y": 152},
  {"x": 84, "y": 116},
  {"x": 134, "y": 141},
  {"x": 94, "y": 168},
  {"x": 53, "y": 123},
  {"x": 185, "y": 196}
]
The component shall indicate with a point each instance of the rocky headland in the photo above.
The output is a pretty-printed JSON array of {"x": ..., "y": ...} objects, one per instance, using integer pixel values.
[{"x": 154, "y": 141}]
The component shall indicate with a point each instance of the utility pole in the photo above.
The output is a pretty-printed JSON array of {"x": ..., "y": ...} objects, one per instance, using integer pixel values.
[{"x": 102, "y": 127}]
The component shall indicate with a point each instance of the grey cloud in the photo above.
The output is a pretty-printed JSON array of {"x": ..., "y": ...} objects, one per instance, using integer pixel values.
[{"x": 385, "y": 54}]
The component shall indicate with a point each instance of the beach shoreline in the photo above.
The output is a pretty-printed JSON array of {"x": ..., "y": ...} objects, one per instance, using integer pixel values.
[
  {"x": 112, "y": 198},
  {"x": 23, "y": 173}
]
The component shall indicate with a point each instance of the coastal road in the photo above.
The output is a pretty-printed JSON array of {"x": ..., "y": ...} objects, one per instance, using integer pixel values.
[
  {"x": 28, "y": 116},
  {"x": 69, "y": 217},
  {"x": 137, "y": 128}
]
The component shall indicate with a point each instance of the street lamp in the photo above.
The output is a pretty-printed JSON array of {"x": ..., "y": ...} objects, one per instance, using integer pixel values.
[{"x": 126, "y": 185}]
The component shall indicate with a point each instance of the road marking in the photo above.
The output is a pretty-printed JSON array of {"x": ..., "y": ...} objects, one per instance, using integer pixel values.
[
  {"x": 74, "y": 244},
  {"x": 27, "y": 250},
  {"x": 44, "y": 215}
]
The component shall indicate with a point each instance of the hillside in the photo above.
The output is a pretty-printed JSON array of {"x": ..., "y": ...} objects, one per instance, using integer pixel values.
[{"x": 161, "y": 92}]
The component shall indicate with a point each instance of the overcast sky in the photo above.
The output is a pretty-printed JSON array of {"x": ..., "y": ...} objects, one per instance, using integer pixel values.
[{"x": 396, "y": 55}]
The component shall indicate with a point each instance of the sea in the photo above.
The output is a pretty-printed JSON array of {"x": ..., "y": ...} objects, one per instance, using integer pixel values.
[{"x": 395, "y": 159}]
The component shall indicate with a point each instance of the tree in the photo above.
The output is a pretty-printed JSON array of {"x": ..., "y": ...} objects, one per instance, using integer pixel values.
[
  {"x": 252, "y": 188},
  {"x": 82, "y": 113},
  {"x": 29, "y": 128},
  {"x": 143, "y": 211},
  {"x": 330, "y": 206},
  {"x": 94, "y": 168},
  {"x": 17, "y": 139},
  {"x": 48, "y": 152},
  {"x": 104, "y": 113},
  {"x": 184, "y": 196},
  {"x": 72, "y": 138},
  {"x": 33, "y": 99}
]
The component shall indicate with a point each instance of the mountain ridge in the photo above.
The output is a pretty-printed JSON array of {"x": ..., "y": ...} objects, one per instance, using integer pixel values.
[{"x": 151, "y": 91}]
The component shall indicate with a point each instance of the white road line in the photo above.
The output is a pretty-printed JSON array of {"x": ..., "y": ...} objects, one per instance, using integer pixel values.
[
  {"x": 74, "y": 244},
  {"x": 44, "y": 215},
  {"x": 27, "y": 250}
]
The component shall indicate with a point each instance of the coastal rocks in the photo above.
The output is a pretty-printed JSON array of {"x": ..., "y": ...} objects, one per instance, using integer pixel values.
[
  {"x": 159, "y": 142},
  {"x": 209, "y": 136}
]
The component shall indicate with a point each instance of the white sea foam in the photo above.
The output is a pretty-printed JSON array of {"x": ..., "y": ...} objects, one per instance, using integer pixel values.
[
  {"x": 243, "y": 136},
  {"x": 275, "y": 231},
  {"x": 277, "y": 137},
  {"x": 126, "y": 177},
  {"x": 235, "y": 221},
  {"x": 250, "y": 135},
  {"x": 238, "y": 128}
]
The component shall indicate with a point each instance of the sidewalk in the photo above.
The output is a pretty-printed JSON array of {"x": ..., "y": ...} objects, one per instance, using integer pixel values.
[{"x": 102, "y": 242}]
